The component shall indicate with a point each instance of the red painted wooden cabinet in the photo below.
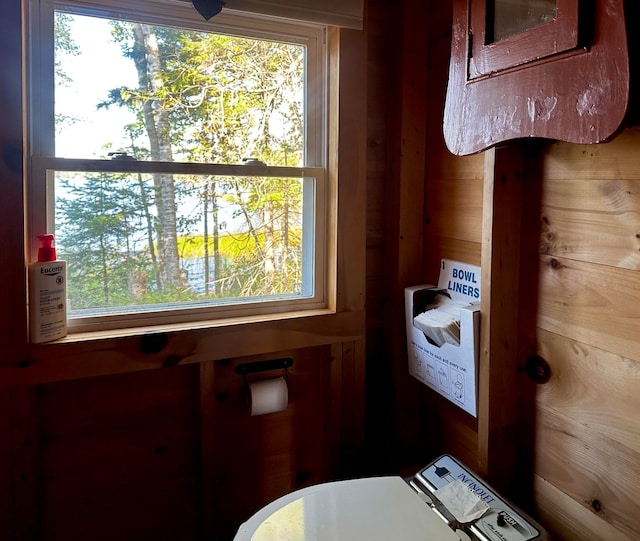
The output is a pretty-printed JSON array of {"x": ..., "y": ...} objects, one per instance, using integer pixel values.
[{"x": 556, "y": 69}]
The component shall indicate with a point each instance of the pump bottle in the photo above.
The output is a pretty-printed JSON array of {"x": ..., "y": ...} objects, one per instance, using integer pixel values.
[{"x": 47, "y": 294}]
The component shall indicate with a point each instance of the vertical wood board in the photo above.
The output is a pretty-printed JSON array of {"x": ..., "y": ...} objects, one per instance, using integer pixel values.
[
  {"x": 13, "y": 320},
  {"x": 6, "y": 481},
  {"x": 26, "y": 470},
  {"x": 499, "y": 315},
  {"x": 454, "y": 209},
  {"x": 405, "y": 215}
]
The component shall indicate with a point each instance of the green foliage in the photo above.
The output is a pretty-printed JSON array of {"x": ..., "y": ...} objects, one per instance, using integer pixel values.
[{"x": 232, "y": 246}]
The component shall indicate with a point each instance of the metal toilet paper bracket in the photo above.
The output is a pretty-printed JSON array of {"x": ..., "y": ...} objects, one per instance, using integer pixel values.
[{"x": 265, "y": 366}]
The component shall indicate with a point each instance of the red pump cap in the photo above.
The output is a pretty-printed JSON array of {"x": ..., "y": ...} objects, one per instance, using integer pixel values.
[{"x": 46, "y": 252}]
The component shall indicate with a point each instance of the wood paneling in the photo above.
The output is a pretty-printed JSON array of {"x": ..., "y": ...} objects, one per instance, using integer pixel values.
[
  {"x": 448, "y": 429},
  {"x": 173, "y": 453},
  {"x": 452, "y": 229},
  {"x": 405, "y": 217},
  {"x": 13, "y": 320},
  {"x": 587, "y": 431},
  {"x": 257, "y": 459},
  {"x": 25, "y": 436},
  {"x": 6, "y": 501},
  {"x": 446, "y": 166},
  {"x": 614, "y": 161},
  {"x": 381, "y": 25},
  {"x": 609, "y": 407},
  {"x": 595, "y": 304},
  {"x": 595, "y": 471},
  {"x": 122, "y": 451},
  {"x": 570, "y": 520},
  {"x": 454, "y": 206},
  {"x": 443, "y": 247},
  {"x": 579, "y": 293},
  {"x": 591, "y": 202},
  {"x": 209, "y": 441}
]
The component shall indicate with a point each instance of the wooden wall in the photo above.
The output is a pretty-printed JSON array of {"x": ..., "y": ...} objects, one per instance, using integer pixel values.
[
  {"x": 587, "y": 316},
  {"x": 578, "y": 456},
  {"x": 166, "y": 454},
  {"x": 435, "y": 212},
  {"x": 382, "y": 49}
]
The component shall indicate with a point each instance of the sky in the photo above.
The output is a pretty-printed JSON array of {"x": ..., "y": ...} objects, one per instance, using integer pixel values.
[{"x": 99, "y": 68}]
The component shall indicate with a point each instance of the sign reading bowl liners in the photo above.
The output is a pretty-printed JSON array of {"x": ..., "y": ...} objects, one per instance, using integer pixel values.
[
  {"x": 461, "y": 281},
  {"x": 450, "y": 369}
]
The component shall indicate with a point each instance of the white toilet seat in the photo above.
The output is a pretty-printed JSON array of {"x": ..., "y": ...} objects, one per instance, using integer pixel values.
[{"x": 370, "y": 509}]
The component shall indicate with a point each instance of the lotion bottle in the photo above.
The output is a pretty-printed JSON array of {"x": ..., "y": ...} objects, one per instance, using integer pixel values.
[{"x": 47, "y": 294}]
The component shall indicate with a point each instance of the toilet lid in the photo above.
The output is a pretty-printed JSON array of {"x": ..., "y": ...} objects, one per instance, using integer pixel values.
[{"x": 371, "y": 509}]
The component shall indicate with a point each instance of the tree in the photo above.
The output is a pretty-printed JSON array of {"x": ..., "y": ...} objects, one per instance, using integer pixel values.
[
  {"x": 97, "y": 220},
  {"x": 146, "y": 55}
]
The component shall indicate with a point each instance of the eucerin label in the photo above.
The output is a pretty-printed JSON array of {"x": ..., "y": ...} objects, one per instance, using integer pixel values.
[{"x": 54, "y": 269}]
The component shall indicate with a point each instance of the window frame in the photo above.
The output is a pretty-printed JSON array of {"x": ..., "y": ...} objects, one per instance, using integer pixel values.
[{"x": 40, "y": 105}]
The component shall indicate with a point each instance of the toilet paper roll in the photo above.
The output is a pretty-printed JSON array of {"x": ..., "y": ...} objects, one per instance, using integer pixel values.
[{"x": 268, "y": 396}]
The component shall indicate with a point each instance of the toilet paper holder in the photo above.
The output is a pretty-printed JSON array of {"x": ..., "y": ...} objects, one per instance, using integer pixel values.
[
  {"x": 266, "y": 395},
  {"x": 265, "y": 366}
]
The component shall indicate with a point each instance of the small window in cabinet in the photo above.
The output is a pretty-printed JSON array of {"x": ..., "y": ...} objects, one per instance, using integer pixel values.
[
  {"x": 508, "y": 18},
  {"x": 508, "y": 33}
]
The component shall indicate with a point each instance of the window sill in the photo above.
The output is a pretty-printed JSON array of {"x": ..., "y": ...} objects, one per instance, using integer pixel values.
[
  {"x": 221, "y": 323},
  {"x": 102, "y": 353}
]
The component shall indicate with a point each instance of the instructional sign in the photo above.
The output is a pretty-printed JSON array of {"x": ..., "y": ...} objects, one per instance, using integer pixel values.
[{"x": 450, "y": 370}]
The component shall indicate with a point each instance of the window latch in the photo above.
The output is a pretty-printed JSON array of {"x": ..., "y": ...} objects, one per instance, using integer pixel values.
[
  {"x": 121, "y": 156},
  {"x": 252, "y": 161}
]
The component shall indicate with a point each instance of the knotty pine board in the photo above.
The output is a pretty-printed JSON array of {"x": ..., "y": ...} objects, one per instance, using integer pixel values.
[{"x": 595, "y": 304}]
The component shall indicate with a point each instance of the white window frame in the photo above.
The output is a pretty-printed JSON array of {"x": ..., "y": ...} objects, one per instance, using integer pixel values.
[{"x": 42, "y": 162}]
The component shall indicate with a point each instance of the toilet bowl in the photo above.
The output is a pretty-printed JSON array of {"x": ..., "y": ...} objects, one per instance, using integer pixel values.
[{"x": 444, "y": 501}]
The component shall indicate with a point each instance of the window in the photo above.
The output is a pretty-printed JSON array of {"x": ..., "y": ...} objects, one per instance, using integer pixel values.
[
  {"x": 179, "y": 163},
  {"x": 507, "y": 18}
]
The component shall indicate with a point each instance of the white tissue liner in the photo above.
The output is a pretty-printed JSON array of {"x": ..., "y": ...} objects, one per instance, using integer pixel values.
[
  {"x": 461, "y": 502},
  {"x": 440, "y": 321}
]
